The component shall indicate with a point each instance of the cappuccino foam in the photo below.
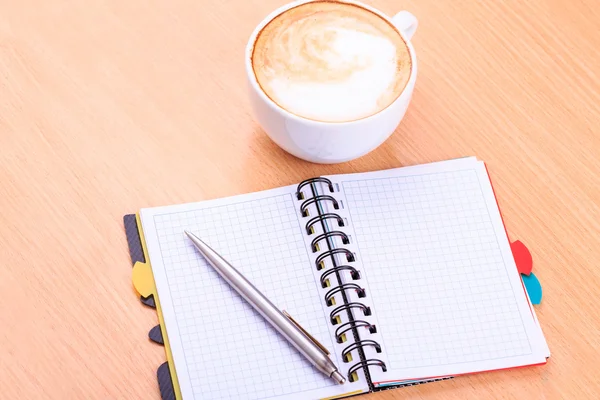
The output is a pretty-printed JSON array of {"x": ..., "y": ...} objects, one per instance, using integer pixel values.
[{"x": 331, "y": 61}]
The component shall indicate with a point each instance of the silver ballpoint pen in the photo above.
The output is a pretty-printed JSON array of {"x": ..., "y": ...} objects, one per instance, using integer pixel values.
[{"x": 280, "y": 320}]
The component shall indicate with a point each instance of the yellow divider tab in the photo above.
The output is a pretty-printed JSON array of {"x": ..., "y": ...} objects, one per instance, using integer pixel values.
[{"x": 143, "y": 281}]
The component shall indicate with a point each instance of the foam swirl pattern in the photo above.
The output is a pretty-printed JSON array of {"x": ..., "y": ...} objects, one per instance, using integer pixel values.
[{"x": 331, "y": 61}]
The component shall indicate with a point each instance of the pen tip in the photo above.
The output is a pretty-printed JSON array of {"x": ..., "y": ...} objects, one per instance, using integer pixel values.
[
  {"x": 338, "y": 377},
  {"x": 195, "y": 239}
]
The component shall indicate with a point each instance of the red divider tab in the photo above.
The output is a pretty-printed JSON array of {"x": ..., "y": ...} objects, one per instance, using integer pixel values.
[{"x": 522, "y": 257}]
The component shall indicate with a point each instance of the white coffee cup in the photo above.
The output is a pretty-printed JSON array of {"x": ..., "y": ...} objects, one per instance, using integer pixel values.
[{"x": 330, "y": 142}]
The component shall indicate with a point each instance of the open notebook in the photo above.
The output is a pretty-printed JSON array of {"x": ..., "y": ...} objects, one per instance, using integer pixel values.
[{"x": 403, "y": 274}]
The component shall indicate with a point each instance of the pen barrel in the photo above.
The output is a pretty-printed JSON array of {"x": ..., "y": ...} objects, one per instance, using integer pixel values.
[{"x": 272, "y": 314}]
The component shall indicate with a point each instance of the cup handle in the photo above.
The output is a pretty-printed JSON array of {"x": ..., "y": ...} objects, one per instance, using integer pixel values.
[{"x": 406, "y": 22}]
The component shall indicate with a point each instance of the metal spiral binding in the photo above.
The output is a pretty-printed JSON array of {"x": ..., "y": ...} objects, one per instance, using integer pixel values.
[
  {"x": 347, "y": 326},
  {"x": 361, "y": 343},
  {"x": 366, "y": 310},
  {"x": 323, "y": 217},
  {"x": 310, "y": 181},
  {"x": 316, "y": 200},
  {"x": 345, "y": 286},
  {"x": 353, "y": 273},
  {"x": 364, "y": 365},
  {"x": 330, "y": 251},
  {"x": 315, "y": 243}
]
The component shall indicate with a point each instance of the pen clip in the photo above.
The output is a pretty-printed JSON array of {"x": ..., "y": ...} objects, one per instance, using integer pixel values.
[{"x": 315, "y": 341}]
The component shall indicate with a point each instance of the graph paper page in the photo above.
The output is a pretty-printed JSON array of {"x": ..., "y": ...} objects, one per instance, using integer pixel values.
[
  {"x": 222, "y": 348},
  {"x": 439, "y": 272}
]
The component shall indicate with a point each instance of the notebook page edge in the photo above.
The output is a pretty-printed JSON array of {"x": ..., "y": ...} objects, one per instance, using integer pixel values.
[{"x": 485, "y": 177}]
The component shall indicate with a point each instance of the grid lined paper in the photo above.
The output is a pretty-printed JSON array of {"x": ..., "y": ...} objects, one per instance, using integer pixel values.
[
  {"x": 436, "y": 274},
  {"x": 229, "y": 350}
]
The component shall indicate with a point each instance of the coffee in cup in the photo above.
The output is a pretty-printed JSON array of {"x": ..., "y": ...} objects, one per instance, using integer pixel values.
[
  {"x": 330, "y": 80},
  {"x": 331, "y": 61}
]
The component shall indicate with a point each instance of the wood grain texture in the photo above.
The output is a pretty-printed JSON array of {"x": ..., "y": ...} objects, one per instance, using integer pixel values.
[{"x": 108, "y": 106}]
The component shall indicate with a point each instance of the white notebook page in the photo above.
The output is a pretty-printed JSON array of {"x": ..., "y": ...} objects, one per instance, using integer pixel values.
[
  {"x": 222, "y": 348},
  {"x": 440, "y": 277}
]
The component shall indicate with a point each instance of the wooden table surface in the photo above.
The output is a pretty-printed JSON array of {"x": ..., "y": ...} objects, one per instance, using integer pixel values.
[{"x": 109, "y": 106}]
